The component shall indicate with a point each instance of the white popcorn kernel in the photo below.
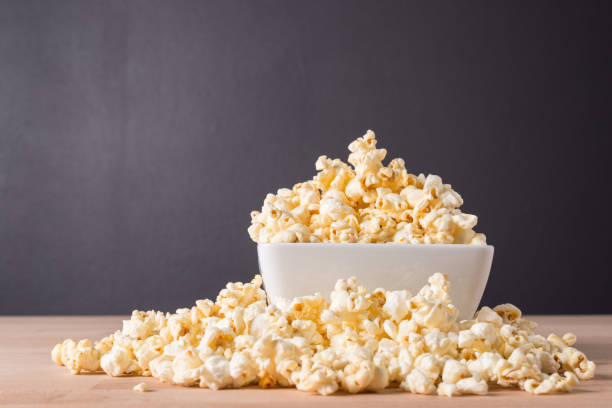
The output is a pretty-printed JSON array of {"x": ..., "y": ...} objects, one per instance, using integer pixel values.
[
  {"x": 396, "y": 304},
  {"x": 216, "y": 373},
  {"x": 390, "y": 329},
  {"x": 147, "y": 350},
  {"x": 465, "y": 221},
  {"x": 454, "y": 371},
  {"x": 317, "y": 378},
  {"x": 484, "y": 366},
  {"x": 472, "y": 386},
  {"x": 466, "y": 338},
  {"x": 140, "y": 387},
  {"x": 358, "y": 374},
  {"x": 451, "y": 199},
  {"x": 508, "y": 312},
  {"x": 186, "y": 367},
  {"x": 118, "y": 362},
  {"x": 429, "y": 365},
  {"x": 575, "y": 361},
  {"x": 405, "y": 329},
  {"x": 569, "y": 339},
  {"x": 466, "y": 236},
  {"x": 161, "y": 368},
  {"x": 478, "y": 239},
  {"x": 488, "y": 315},
  {"x": 139, "y": 326},
  {"x": 380, "y": 380},
  {"x": 485, "y": 332},
  {"x": 284, "y": 236},
  {"x": 551, "y": 384},
  {"x": 546, "y": 362},
  {"x": 448, "y": 390},
  {"x": 418, "y": 383},
  {"x": 242, "y": 369}
]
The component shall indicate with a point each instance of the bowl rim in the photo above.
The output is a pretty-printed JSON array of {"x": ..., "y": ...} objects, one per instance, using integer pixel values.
[{"x": 373, "y": 245}]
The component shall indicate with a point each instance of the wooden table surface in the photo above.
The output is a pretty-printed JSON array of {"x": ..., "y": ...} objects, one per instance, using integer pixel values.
[{"x": 28, "y": 377}]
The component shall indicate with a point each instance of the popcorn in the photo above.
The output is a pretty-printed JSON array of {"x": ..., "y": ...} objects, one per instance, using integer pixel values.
[
  {"x": 140, "y": 387},
  {"x": 119, "y": 361},
  {"x": 368, "y": 202},
  {"x": 575, "y": 361},
  {"x": 551, "y": 384},
  {"x": 454, "y": 371},
  {"x": 161, "y": 368},
  {"x": 569, "y": 339},
  {"x": 359, "y": 372},
  {"x": 315, "y": 378},
  {"x": 472, "y": 386},
  {"x": 356, "y": 342},
  {"x": 429, "y": 365},
  {"x": 216, "y": 373},
  {"x": 147, "y": 350},
  {"x": 242, "y": 369},
  {"x": 76, "y": 357},
  {"x": 418, "y": 382},
  {"x": 186, "y": 367},
  {"x": 396, "y": 304}
]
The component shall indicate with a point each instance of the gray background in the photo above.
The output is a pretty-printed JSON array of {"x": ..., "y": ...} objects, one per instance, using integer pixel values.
[{"x": 136, "y": 137}]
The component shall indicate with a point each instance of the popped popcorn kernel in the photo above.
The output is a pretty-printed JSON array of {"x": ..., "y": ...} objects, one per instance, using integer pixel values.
[{"x": 140, "y": 387}]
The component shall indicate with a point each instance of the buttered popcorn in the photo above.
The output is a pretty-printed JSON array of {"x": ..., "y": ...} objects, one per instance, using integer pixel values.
[
  {"x": 357, "y": 341},
  {"x": 366, "y": 202}
]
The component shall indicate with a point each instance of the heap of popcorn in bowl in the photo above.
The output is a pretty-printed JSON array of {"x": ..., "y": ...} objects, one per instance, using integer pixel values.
[
  {"x": 368, "y": 202},
  {"x": 356, "y": 340}
]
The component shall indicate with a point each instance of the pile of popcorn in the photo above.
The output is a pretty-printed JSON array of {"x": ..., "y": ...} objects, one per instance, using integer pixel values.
[
  {"x": 356, "y": 342},
  {"x": 368, "y": 202}
]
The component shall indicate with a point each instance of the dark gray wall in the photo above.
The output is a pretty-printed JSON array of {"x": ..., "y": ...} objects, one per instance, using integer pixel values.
[{"x": 136, "y": 137}]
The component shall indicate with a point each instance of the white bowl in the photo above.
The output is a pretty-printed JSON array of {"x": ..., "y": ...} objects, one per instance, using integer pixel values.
[{"x": 294, "y": 269}]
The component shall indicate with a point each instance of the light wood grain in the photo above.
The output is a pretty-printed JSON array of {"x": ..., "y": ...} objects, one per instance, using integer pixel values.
[{"x": 28, "y": 377}]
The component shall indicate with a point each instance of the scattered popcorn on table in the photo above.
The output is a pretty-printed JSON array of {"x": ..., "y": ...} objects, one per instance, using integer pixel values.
[
  {"x": 140, "y": 387},
  {"x": 367, "y": 202},
  {"x": 356, "y": 342}
]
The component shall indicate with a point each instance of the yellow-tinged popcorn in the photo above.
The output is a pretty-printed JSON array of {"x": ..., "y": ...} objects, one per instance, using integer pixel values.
[
  {"x": 368, "y": 202},
  {"x": 551, "y": 384},
  {"x": 146, "y": 350},
  {"x": 76, "y": 357},
  {"x": 119, "y": 361},
  {"x": 357, "y": 341},
  {"x": 454, "y": 371},
  {"x": 569, "y": 339},
  {"x": 575, "y": 361}
]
